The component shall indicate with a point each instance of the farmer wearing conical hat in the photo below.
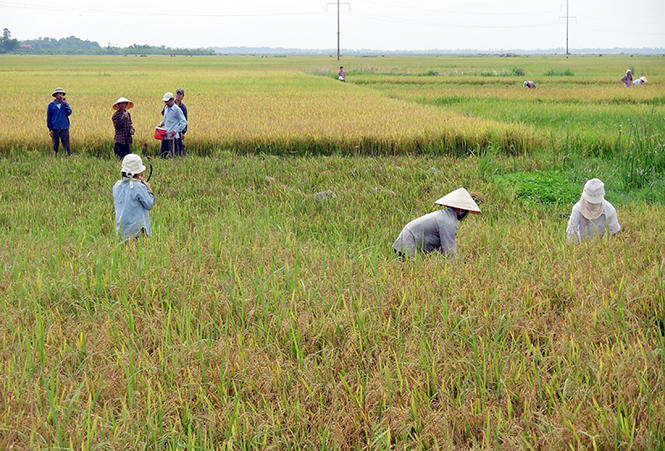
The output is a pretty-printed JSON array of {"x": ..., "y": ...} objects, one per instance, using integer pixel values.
[
  {"x": 122, "y": 122},
  {"x": 592, "y": 214},
  {"x": 436, "y": 231},
  {"x": 57, "y": 120}
]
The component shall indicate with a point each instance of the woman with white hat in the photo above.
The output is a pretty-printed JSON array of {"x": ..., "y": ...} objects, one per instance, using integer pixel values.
[
  {"x": 122, "y": 121},
  {"x": 436, "y": 231},
  {"x": 628, "y": 78},
  {"x": 592, "y": 214},
  {"x": 133, "y": 199}
]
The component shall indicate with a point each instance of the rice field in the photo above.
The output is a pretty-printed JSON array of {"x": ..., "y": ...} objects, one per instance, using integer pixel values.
[{"x": 268, "y": 310}]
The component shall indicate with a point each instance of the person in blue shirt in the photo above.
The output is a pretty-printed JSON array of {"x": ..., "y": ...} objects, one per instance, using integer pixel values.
[
  {"x": 133, "y": 199},
  {"x": 174, "y": 122},
  {"x": 57, "y": 120}
]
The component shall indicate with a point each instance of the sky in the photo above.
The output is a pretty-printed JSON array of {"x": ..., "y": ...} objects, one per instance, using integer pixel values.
[{"x": 363, "y": 24}]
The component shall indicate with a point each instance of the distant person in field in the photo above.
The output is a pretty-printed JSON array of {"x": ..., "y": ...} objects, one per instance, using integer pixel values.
[
  {"x": 57, "y": 120},
  {"x": 133, "y": 199},
  {"x": 628, "y": 78},
  {"x": 122, "y": 122},
  {"x": 436, "y": 231},
  {"x": 180, "y": 148},
  {"x": 174, "y": 122},
  {"x": 529, "y": 84},
  {"x": 592, "y": 214},
  {"x": 640, "y": 81},
  {"x": 341, "y": 75}
]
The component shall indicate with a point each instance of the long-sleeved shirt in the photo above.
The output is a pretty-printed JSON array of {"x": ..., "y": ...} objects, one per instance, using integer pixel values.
[
  {"x": 580, "y": 227},
  {"x": 174, "y": 120},
  {"x": 434, "y": 231},
  {"x": 57, "y": 115},
  {"x": 123, "y": 128},
  {"x": 132, "y": 202},
  {"x": 628, "y": 80}
]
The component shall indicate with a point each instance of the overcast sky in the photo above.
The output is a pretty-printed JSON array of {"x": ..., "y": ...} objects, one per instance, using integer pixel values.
[{"x": 364, "y": 24}]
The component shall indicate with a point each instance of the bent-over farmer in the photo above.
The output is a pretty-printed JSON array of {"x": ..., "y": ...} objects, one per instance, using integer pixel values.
[
  {"x": 592, "y": 214},
  {"x": 436, "y": 231}
]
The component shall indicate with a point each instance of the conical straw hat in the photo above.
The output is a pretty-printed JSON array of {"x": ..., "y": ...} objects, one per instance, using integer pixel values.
[
  {"x": 460, "y": 198},
  {"x": 120, "y": 100}
]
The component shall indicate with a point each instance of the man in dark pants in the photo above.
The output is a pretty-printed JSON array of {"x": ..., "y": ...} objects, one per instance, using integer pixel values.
[
  {"x": 57, "y": 120},
  {"x": 180, "y": 143},
  {"x": 174, "y": 122}
]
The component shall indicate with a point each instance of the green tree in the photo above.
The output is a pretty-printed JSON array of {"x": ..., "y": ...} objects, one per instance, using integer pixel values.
[{"x": 7, "y": 44}]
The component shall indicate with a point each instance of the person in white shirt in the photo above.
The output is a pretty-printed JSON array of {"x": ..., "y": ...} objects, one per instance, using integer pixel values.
[{"x": 592, "y": 214}]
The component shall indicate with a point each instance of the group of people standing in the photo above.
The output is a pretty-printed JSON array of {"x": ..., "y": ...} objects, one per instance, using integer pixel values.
[{"x": 173, "y": 124}]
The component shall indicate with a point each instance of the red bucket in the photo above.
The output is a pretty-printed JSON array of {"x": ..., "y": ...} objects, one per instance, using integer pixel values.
[{"x": 160, "y": 133}]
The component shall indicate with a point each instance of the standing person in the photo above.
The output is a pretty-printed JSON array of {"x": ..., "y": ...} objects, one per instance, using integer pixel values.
[
  {"x": 529, "y": 84},
  {"x": 341, "y": 75},
  {"x": 592, "y": 214},
  {"x": 628, "y": 78},
  {"x": 436, "y": 231},
  {"x": 122, "y": 122},
  {"x": 174, "y": 122},
  {"x": 133, "y": 199},
  {"x": 57, "y": 120},
  {"x": 180, "y": 143}
]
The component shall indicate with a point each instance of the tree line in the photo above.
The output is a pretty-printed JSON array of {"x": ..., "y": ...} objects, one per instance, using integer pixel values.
[{"x": 75, "y": 46}]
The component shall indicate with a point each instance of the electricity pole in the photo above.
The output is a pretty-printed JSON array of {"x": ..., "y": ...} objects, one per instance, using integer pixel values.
[
  {"x": 338, "y": 3},
  {"x": 567, "y": 17}
]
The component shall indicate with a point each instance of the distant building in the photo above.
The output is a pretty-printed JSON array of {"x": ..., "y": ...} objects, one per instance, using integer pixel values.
[{"x": 25, "y": 46}]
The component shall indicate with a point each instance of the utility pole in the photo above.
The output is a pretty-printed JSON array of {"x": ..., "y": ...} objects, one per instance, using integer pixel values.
[
  {"x": 567, "y": 17},
  {"x": 338, "y": 3}
]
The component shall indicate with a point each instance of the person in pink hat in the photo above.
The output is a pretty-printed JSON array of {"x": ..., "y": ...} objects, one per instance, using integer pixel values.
[
  {"x": 592, "y": 214},
  {"x": 436, "y": 231}
]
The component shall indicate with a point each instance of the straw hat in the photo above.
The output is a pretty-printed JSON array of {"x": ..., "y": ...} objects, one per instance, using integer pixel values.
[
  {"x": 460, "y": 198},
  {"x": 57, "y": 90},
  {"x": 132, "y": 165},
  {"x": 594, "y": 191},
  {"x": 121, "y": 100},
  {"x": 168, "y": 96}
]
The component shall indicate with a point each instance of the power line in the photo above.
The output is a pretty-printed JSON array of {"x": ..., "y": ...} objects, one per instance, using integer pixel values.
[
  {"x": 473, "y": 13},
  {"x": 338, "y": 3},
  {"x": 152, "y": 13},
  {"x": 440, "y": 24},
  {"x": 567, "y": 17}
]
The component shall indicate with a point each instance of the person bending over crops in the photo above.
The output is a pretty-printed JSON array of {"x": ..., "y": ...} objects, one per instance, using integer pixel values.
[
  {"x": 529, "y": 84},
  {"x": 133, "y": 199},
  {"x": 592, "y": 214},
  {"x": 436, "y": 231},
  {"x": 122, "y": 122},
  {"x": 341, "y": 75},
  {"x": 174, "y": 122}
]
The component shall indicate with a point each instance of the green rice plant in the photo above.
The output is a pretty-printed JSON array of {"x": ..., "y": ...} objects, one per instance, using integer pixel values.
[
  {"x": 641, "y": 161},
  {"x": 567, "y": 72},
  {"x": 543, "y": 187}
]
